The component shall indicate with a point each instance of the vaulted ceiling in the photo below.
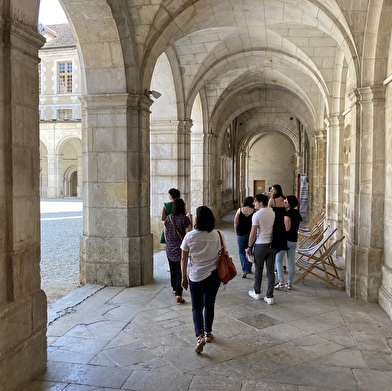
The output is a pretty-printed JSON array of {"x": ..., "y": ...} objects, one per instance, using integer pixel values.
[{"x": 290, "y": 54}]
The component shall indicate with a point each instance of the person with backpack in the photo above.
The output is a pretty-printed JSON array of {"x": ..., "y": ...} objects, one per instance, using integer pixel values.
[
  {"x": 176, "y": 225},
  {"x": 261, "y": 236}
]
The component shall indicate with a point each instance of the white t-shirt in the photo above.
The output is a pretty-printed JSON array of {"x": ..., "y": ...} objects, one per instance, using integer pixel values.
[
  {"x": 203, "y": 248},
  {"x": 264, "y": 219}
]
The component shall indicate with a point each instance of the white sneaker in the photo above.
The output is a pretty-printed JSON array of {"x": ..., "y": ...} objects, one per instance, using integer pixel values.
[
  {"x": 254, "y": 295},
  {"x": 269, "y": 300}
]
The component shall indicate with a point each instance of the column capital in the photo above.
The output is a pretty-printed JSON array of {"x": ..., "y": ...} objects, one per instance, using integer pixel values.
[
  {"x": 334, "y": 120},
  {"x": 105, "y": 101},
  {"x": 185, "y": 125},
  {"x": 321, "y": 134},
  {"x": 370, "y": 93}
]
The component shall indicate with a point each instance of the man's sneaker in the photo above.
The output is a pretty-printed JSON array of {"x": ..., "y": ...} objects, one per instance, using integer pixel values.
[
  {"x": 254, "y": 295},
  {"x": 269, "y": 300}
]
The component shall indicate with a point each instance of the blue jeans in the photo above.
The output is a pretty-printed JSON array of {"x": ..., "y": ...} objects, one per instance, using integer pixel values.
[
  {"x": 263, "y": 252},
  {"x": 290, "y": 262},
  {"x": 203, "y": 294},
  {"x": 242, "y": 242}
]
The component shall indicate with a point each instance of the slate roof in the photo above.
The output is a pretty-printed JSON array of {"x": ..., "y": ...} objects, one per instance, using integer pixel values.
[{"x": 64, "y": 37}]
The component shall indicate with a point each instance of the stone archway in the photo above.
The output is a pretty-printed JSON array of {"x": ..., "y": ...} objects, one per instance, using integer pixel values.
[
  {"x": 244, "y": 58},
  {"x": 70, "y": 182}
]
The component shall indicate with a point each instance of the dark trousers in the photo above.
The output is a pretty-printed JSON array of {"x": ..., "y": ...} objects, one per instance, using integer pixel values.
[
  {"x": 263, "y": 253},
  {"x": 203, "y": 294},
  {"x": 176, "y": 277}
]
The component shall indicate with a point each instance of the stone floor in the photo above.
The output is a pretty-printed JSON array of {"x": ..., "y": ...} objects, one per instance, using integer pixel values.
[{"x": 314, "y": 338}]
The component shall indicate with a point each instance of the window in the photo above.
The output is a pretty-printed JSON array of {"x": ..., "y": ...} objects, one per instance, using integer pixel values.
[
  {"x": 65, "y": 77},
  {"x": 64, "y": 114}
]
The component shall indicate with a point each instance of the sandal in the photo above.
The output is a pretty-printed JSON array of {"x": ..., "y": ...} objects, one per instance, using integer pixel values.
[
  {"x": 180, "y": 300},
  {"x": 289, "y": 287},
  {"x": 208, "y": 336},
  {"x": 200, "y": 344},
  {"x": 280, "y": 285}
]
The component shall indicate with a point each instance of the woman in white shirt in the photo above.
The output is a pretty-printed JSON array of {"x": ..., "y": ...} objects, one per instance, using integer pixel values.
[{"x": 199, "y": 259}]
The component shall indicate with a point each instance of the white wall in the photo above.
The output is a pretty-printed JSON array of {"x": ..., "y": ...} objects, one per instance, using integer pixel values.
[{"x": 272, "y": 159}]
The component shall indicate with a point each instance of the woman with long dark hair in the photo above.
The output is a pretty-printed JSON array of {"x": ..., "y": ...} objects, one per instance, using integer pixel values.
[
  {"x": 199, "y": 259},
  {"x": 276, "y": 202}
]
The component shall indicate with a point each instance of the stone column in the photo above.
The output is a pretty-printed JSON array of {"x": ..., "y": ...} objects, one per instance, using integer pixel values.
[
  {"x": 184, "y": 159},
  {"x": 212, "y": 171},
  {"x": 298, "y": 159},
  {"x": 116, "y": 247},
  {"x": 170, "y": 167},
  {"x": 55, "y": 175},
  {"x": 198, "y": 182},
  {"x": 241, "y": 161},
  {"x": 23, "y": 304},
  {"x": 80, "y": 178},
  {"x": 317, "y": 186},
  {"x": 367, "y": 240},
  {"x": 334, "y": 171},
  {"x": 385, "y": 291}
]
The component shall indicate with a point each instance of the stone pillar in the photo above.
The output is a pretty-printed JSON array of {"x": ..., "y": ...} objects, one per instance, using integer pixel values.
[
  {"x": 385, "y": 291},
  {"x": 184, "y": 159},
  {"x": 334, "y": 171},
  {"x": 241, "y": 161},
  {"x": 317, "y": 186},
  {"x": 116, "y": 247},
  {"x": 55, "y": 175},
  {"x": 212, "y": 173},
  {"x": 79, "y": 191},
  {"x": 198, "y": 182},
  {"x": 298, "y": 163},
  {"x": 368, "y": 210},
  {"x": 23, "y": 304},
  {"x": 170, "y": 167}
]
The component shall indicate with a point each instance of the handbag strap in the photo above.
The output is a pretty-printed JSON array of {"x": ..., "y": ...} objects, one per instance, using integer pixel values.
[
  {"x": 221, "y": 241},
  {"x": 175, "y": 227}
]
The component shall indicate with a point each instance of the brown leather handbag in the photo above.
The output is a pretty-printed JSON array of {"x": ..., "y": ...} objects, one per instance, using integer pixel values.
[{"x": 226, "y": 268}]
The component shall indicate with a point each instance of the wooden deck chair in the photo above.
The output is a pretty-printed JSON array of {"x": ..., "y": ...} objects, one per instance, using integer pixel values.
[
  {"x": 306, "y": 235},
  {"x": 310, "y": 236},
  {"x": 315, "y": 220},
  {"x": 317, "y": 244},
  {"x": 322, "y": 266}
]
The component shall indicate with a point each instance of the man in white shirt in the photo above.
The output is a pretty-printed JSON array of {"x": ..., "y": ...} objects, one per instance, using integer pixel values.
[{"x": 261, "y": 237}]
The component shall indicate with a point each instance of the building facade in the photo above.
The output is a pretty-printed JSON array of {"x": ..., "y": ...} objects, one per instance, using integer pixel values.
[
  {"x": 60, "y": 114},
  {"x": 251, "y": 94}
]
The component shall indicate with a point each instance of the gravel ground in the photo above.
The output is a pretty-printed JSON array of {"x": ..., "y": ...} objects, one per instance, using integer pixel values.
[{"x": 61, "y": 228}]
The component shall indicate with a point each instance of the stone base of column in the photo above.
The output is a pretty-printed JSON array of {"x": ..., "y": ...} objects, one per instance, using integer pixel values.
[
  {"x": 116, "y": 261},
  {"x": 25, "y": 357},
  {"x": 385, "y": 291},
  {"x": 364, "y": 273}
]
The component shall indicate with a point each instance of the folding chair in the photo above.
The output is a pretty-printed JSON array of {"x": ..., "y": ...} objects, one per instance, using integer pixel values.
[
  {"x": 317, "y": 243},
  {"x": 310, "y": 234},
  {"x": 314, "y": 221},
  {"x": 321, "y": 265}
]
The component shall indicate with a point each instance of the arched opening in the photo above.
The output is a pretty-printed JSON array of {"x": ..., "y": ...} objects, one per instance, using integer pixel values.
[{"x": 71, "y": 182}]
